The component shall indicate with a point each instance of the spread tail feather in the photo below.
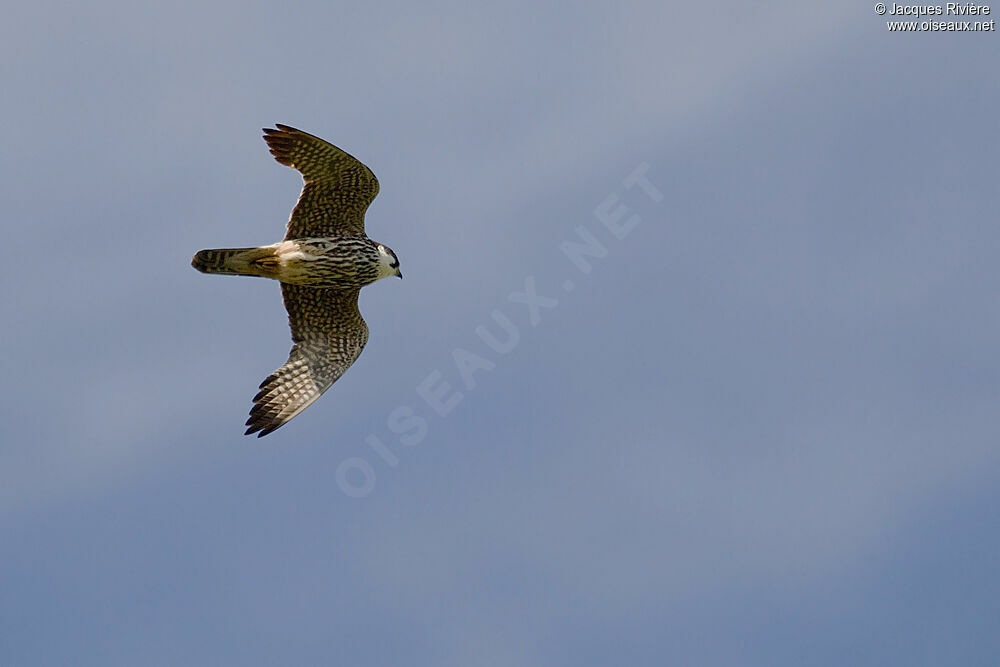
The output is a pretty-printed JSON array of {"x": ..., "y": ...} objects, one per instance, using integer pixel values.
[{"x": 233, "y": 261}]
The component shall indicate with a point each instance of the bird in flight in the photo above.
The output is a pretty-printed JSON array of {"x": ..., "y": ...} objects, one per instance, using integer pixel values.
[{"x": 322, "y": 263}]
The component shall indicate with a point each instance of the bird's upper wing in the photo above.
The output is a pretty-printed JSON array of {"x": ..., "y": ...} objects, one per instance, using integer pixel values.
[
  {"x": 338, "y": 187},
  {"x": 328, "y": 333}
]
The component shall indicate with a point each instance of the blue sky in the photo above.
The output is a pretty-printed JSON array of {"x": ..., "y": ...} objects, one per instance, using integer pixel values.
[{"x": 761, "y": 429}]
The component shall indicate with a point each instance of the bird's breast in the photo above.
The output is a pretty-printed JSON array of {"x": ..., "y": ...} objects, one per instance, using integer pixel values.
[{"x": 342, "y": 262}]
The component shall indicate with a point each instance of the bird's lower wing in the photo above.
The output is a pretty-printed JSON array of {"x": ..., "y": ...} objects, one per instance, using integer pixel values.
[{"x": 328, "y": 333}]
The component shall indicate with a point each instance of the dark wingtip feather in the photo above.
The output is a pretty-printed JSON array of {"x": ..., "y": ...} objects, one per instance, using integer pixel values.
[
  {"x": 279, "y": 130},
  {"x": 263, "y": 417},
  {"x": 261, "y": 428}
]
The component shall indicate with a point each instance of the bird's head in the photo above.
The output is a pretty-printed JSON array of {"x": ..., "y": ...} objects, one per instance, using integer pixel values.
[{"x": 388, "y": 263}]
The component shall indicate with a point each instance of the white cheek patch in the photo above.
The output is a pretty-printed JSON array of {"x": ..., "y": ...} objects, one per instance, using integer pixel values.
[{"x": 385, "y": 263}]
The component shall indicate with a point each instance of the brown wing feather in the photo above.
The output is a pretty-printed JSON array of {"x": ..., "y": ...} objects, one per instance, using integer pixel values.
[
  {"x": 328, "y": 333},
  {"x": 338, "y": 187}
]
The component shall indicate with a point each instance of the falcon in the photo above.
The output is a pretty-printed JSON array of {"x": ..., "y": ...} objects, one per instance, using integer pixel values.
[{"x": 322, "y": 263}]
